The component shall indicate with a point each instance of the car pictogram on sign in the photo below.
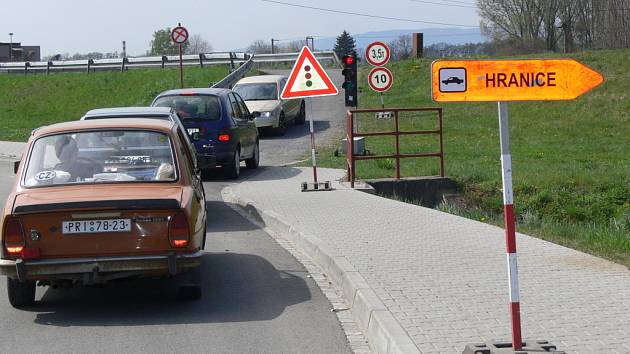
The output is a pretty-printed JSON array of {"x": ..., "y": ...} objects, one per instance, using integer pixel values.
[{"x": 453, "y": 80}]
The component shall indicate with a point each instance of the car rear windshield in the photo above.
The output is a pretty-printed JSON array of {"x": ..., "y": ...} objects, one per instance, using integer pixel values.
[
  {"x": 103, "y": 156},
  {"x": 202, "y": 107},
  {"x": 257, "y": 92}
]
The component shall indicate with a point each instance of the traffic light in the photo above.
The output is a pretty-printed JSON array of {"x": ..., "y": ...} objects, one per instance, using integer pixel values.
[{"x": 349, "y": 72}]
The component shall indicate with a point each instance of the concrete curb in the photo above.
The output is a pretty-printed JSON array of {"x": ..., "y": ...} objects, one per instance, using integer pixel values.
[{"x": 382, "y": 330}]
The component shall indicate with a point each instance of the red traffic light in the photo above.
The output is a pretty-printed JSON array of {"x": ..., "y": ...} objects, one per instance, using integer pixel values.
[{"x": 348, "y": 60}]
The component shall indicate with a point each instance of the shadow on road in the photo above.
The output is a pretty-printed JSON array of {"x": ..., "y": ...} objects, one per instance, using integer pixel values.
[
  {"x": 298, "y": 131},
  {"x": 222, "y": 219},
  {"x": 236, "y": 288}
]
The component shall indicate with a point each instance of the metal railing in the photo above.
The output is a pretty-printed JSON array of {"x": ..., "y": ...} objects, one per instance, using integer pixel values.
[
  {"x": 235, "y": 75},
  {"x": 234, "y": 59},
  {"x": 351, "y": 134},
  {"x": 292, "y": 57}
]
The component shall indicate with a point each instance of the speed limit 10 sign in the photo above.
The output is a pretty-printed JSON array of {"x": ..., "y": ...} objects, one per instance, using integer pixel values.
[
  {"x": 377, "y": 53},
  {"x": 380, "y": 79}
]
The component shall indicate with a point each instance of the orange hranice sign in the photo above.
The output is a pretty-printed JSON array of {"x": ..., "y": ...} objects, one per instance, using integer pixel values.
[{"x": 511, "y": 80}]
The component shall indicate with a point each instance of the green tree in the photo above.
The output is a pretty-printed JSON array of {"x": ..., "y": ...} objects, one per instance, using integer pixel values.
[
  {"x": 345, "y": 45},
  {"x": 161, "y": 44}
]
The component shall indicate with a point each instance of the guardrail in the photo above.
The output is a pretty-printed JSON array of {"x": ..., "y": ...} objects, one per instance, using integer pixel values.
[
  {"x": 292, "y": 57},
  {"x": 235, "y": 75},
  {"x": 234, "y": 59}
]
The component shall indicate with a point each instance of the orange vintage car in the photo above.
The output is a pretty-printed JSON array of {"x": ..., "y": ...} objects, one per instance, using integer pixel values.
[{"x": 103, "y": 199}]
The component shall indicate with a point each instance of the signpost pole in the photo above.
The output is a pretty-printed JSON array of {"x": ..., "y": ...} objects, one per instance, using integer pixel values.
[
  {"x": 310, "y": 120},
  {"x": 382, "y": 102},
  {"x": 181, "y": 66},
  {"x": 510, "y": 229}
]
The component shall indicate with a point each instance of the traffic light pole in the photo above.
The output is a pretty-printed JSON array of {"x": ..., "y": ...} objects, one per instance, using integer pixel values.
[{"x": 310, "y": 120}]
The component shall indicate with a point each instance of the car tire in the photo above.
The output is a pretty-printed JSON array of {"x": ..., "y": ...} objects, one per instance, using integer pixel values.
[
  {"x": 282, "y": 125},
  {"x": 21, "y": 294},
  {"x": 253, "y": 162},
  {"x": 233, "y": 170},
  {"x": 301, "y": 118}
]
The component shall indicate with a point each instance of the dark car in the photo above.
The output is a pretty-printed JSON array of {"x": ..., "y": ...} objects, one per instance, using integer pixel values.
[
  {"x": 206, "y": 160},
  {"x": 453, "y": 80},
  {"x": 219, "y": 122}
]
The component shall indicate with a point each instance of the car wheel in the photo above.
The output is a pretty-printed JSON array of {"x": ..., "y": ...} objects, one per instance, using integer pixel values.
[
  {"x": 282, "y": 125},
  {"x": 21, "y": 294},
  {"x": 255, "y": 160},
  {"x": 302, "y": 115},
  {"x": 233, "y": 170}
]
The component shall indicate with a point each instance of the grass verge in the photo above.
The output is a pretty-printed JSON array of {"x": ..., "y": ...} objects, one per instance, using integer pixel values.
[
  {"x": 571, "y": 159},
  {"x": 34, "y": 100}
]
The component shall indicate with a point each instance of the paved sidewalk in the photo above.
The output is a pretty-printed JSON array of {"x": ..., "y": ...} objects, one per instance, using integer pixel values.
[
  {"x": 444, "y": 277},
  {"x": 11, "y": 149}
]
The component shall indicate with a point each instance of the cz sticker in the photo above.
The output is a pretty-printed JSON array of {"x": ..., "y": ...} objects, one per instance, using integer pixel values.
[{"x": 45, "y": 175}]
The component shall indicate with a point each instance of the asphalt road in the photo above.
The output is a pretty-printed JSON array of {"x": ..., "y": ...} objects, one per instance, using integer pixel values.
[
  {"x": 256, "y": 297},
  {"x": 328, "y": 121}
]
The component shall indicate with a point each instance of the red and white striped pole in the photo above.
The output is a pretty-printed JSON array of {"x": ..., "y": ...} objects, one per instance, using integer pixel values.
[
  {"x": 510, "y": 229},
  {"x": 310, "y": 121}
]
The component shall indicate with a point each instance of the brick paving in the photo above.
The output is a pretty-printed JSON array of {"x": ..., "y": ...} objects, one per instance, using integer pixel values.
[{"x": 444, "y": 277}]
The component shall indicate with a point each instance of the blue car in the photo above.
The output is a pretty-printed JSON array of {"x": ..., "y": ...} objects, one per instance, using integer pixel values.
[{"x": 219, "y": 123}]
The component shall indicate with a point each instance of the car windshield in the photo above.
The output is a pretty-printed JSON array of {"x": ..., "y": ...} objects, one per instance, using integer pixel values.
[
  {"x": 257, "y": 92},
  {"x": 202, "y": 107},
  {"x": 103, "y": 156}
]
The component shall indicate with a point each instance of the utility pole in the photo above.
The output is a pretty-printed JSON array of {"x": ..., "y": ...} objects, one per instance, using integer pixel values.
[
  {"x": 124, "y": 52},
  {"x": 10, "y": 46},
  {"x": 272, "y": 41},
  {"x": 312, "y": 46}
]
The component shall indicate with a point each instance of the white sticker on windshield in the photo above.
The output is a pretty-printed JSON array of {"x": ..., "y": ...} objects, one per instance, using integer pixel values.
[{"x": 45, "y": 175}]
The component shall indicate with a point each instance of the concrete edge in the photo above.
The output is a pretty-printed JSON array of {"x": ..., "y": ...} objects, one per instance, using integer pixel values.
[{"x": 383, "y": 332}]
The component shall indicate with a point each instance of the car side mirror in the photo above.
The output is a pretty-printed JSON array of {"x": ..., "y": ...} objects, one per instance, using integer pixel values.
[
  {"x": 16, "y": 166},
  {"x": 195, "y": 136},
  {"x": 255, "y": 114}
]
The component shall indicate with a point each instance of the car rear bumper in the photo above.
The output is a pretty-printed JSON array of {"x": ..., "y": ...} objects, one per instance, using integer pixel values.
[{"x": 71, "y": 268}]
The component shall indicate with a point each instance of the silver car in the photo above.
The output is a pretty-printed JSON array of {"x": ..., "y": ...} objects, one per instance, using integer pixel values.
[{"x": 262, "y": 97}]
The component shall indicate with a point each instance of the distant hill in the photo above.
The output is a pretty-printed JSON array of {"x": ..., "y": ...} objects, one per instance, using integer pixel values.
[{"x": 431, "y": 36}]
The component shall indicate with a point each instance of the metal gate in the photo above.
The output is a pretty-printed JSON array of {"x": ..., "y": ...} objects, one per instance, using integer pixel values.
[{"x": 351, "y": 158}]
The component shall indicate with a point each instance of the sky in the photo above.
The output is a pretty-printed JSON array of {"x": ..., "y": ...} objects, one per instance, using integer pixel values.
[{"x": 64, "y": 26}]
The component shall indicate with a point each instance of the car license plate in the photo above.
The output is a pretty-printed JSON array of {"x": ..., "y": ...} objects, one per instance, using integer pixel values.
[
  {"x": 94, "y": 226},
  {"x": 191, "y": 131}
]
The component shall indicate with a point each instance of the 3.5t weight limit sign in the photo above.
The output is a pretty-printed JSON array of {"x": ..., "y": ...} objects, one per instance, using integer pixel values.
[
  {"x": 377, "y": 53},
  {"x": 380, "y": 79}
]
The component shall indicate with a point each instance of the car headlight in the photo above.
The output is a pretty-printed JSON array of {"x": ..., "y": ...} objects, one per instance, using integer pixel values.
[{"x": 265, "y": 114}]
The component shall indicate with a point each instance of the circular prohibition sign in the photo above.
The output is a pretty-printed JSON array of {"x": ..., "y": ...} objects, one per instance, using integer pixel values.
[
  {"x": 179, "y": 35},
  {"x": 380, "y": 79},
  {"x": 377, "y": 53}
]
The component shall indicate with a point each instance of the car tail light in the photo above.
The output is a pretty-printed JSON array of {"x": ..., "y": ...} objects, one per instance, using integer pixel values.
[
  {"x": 224, "y": 137},
  {"x": 14, "y": 239},
  {"x": 30, "y": 253},
  {"x": 188, "y": 94},
  {"x": 178, "y": 232}
]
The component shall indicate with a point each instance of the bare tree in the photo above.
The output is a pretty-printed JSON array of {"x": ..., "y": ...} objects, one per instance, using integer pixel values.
[
  {"x": 197, "y": 44},
  {"x": 401, "y": 47},
  {"x": 528, "y": 25},
  {"x": 292, "y": 47},
  {"x": 259, "y": 47}
]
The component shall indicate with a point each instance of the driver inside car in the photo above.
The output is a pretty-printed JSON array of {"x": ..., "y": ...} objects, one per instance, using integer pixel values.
[{"x": 68, "y": 154}]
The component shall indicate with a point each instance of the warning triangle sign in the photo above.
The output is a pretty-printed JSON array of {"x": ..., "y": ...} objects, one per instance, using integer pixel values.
[{"x": 308, "y": 78}]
